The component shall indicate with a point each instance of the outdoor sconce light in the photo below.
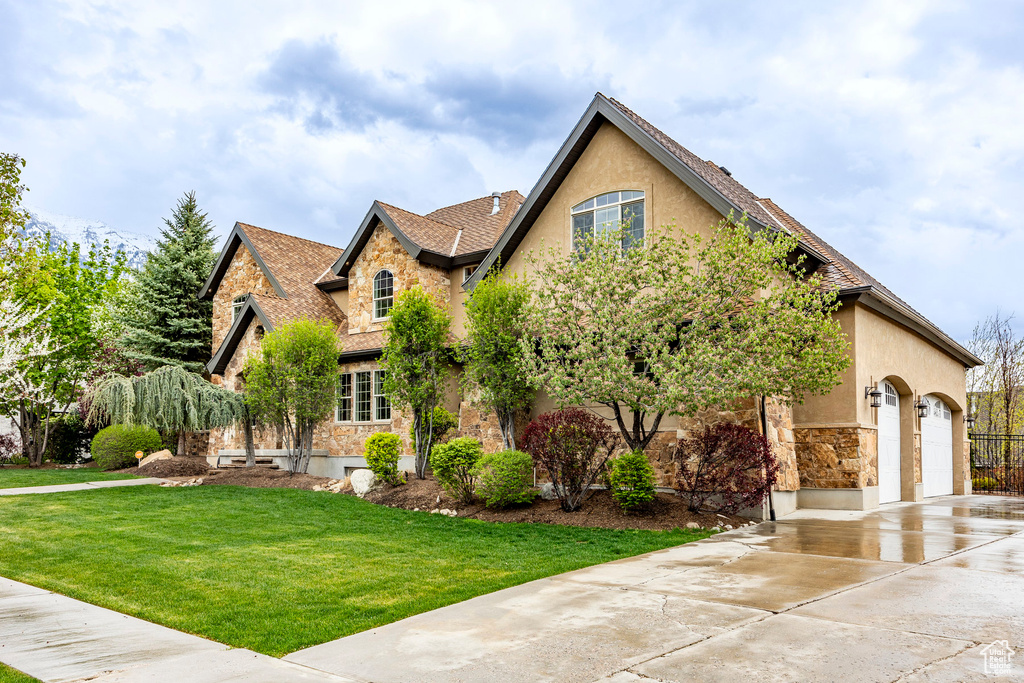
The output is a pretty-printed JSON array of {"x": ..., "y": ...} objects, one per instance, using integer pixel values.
[
  {"x": 922, "y": 407},
  {"x": 969, "y": 419},
  {"x": 875, "y": 395}
]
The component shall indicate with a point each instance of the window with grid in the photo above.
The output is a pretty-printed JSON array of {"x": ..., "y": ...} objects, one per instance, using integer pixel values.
[
  {"x": 364, "y": 397},
  {"x": 382, "y": 403},
  {"x": 623, "y": 210},
  {"x": 236, "y": 306},
  {"x": 344, "y": 409},
  {"x": 890, "y": 395},
  {"x": 383, "y": 294}
]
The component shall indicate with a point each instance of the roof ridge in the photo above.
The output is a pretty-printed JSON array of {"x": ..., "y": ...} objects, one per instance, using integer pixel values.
[
  {"x": 284, "y": 234},
  {"x": 412, "y": 213},
  {"x": 839, "y": 262},
  {"x": 474, "y": 199}
]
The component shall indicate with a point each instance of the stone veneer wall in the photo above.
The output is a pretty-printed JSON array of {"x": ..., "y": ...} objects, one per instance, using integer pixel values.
[
  {"x": 837, "y": 458},
  {"x": 243, "y": 276},
  {"x": 383, "y": 250}
]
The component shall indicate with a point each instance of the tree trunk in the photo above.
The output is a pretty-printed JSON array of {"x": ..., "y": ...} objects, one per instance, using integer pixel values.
[
  {"x": 507, "y": 426},
  {"x": 181, "y": 444},
  {"x": 250, "y": 448}
]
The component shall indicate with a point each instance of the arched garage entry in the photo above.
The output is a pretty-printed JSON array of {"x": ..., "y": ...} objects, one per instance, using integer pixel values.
[
  {"x": 889, "y": 444},
  {"x": 937, "y": 448}
]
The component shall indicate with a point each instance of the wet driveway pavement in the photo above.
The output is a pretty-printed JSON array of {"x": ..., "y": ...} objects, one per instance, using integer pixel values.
[{"x": 908, "y": 592}]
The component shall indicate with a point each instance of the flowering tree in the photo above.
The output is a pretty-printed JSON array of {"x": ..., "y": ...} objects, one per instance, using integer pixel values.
[
  {"x": 416, "y": 359},
  {"x": 496, "y": 323},
  {"x": 679, "y": 324}
]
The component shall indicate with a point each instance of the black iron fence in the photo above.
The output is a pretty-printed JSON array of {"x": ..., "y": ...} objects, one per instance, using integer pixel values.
[{"x": 997, "y": 463}]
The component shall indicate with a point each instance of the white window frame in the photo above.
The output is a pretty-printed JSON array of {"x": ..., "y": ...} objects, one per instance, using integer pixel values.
[
  {"x": 381, "y": 403},
  {"x": 237, "y": 304},
  {"x": 591, "y": 206},
  {"x": 356, "y": 398},
  {"x": 375, "y": 298},
  {"x": 467, "y": 272},
  {"x": 342, "y": 397}
]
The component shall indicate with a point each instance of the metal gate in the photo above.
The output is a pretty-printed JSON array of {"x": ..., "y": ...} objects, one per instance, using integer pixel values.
[{"x": 997, "y": 463}]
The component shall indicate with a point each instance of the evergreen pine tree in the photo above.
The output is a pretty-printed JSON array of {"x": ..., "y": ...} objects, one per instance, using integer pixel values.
[{"x": 170, "y": 325}]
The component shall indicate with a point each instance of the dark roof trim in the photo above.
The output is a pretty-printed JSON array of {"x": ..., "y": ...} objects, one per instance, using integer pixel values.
[
  {"x": 333, "y": 285},
  {"x": 235, "y": 237},
  {"x": 375, "y": 215},
  {"x": 361, "y": 354},
  {"x": 250, "y": 309},
  {"x": 879, "y": 301},
  {"x": 601, "y": 110}
]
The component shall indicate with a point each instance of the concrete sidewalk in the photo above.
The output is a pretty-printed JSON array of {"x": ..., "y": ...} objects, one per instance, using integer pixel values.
[
  {"x": 57, "y": 639},
  {"x": 83, "y": 486},
  {"x": 910, "y": 592}
]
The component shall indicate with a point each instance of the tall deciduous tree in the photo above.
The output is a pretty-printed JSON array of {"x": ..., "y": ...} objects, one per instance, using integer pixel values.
[
  {"x": 492, "y": 357},
  {"x": 996, "y": 389},
  {"x": 291, "y": 384},
  {"x": 170, "y": 325},
  {"x": 416, "y": 361},
  {"x": 680, "y": 324}
]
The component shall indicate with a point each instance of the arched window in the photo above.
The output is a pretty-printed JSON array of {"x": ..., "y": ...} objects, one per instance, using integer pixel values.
[
  {"x": 236, "y": 305},
  {"x": 383, "y": 294},
  {"x": 607, "y": 212}
]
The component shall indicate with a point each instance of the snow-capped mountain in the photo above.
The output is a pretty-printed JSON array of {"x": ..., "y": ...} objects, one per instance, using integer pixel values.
[{"x": 89, "y": 232}]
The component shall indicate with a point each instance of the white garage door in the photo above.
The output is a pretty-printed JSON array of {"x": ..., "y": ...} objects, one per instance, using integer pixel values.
[
  {"x": 937, "y": 449},
  {"x": 889, "y": 445}
]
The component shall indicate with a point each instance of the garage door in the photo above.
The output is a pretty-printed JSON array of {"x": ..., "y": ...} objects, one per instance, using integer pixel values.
[
  {"x": 889, "y": 445},
  {"x": 937, "y": 448}
]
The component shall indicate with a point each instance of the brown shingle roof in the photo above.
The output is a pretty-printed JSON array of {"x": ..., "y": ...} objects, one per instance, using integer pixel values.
[
  {"x": 429, "y": 234},
  {"x": 480, "y": 228},
  {"x": 297, "y": 264}
]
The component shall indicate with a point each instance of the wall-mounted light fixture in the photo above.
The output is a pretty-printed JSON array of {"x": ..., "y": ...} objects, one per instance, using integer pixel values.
[
  {"x": 922, "y": 407},
  {"x": 970, "y": 420},
  {"x": 875, "y": 395}
]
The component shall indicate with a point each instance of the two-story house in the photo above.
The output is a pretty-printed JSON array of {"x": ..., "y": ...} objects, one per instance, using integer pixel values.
[{"x": 892, "y": 430}]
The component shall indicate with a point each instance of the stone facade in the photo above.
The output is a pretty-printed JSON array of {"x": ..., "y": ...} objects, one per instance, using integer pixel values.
[
  {"x": 383, "y": 250},
  {"x": 837, "y": 458},
  {"x": 243, "y": 276}
]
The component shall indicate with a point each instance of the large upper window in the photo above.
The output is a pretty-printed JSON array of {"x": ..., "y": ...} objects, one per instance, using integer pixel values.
[
  {"x": 623, "y": 210},
  {"x": 383, "y": 294},
  {"x": 236, "y": 305}
]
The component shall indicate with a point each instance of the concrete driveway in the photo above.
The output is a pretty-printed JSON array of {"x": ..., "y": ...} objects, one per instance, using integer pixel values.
[{"x": 910, "y": 592}]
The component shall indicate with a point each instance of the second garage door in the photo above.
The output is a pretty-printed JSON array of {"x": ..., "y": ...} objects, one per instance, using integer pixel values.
[{"x": 937, "y": 448}]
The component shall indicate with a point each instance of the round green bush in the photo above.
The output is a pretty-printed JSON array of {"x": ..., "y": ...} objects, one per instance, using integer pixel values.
[
  {"x": 115, "y": 447},
  {"x": 505, "y": 479},
  {"x": 382, "y": 451},
  {"x": 444, "y": 425},
  {"x": 453, "y": 464},
  {"x": 632, "y": 480},
  {"x": 984, "y": 483}
]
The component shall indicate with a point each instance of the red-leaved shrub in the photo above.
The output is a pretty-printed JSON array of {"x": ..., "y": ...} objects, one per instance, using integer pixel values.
[
  {"x": 573, "y": 446},
  {"x": 726, "y": 466}
]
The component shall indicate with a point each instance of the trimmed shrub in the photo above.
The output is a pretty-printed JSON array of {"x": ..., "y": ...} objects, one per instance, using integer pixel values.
[
  {"x": 984, "y": 483},
  {"x": 453, "y": 464},
  {"x": 505, "y": 478},
  {"x": 445, "y": 424},
  {"x": 632, "y": 480},
  {"x": 572, "y": 446},
  {"x": 68, "y": 440},
  {"x": 727, "y": 466},
  {"x": 382, "y": 451},
  {"x": 115, "y": 446}
]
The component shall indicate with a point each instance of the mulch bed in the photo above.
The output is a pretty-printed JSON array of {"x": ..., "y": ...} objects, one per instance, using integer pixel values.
[
  {"x": 261, "y": 478},
  {"x": 667, "y": 512},
  {"x": 172, "y": 467}
]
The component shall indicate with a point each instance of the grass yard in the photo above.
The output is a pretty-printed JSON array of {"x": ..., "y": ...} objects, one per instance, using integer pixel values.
[
  {"x": 9, "y": 675},
  {"x": 277, "y": 570},
  {"x": 16, "y": 478}
]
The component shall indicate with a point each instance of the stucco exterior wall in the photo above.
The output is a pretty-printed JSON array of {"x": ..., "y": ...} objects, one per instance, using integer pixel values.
[
  {"x": 614, "y": 162},
  {"x": 838, "y": 407},
  {"x": 383, "y": 250},
  {"x": 243, "y": 276}
]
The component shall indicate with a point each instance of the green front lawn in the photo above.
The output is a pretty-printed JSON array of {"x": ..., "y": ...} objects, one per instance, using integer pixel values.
[
  {"x": 16, "y": 478},
  {"x": 9, "y": 675},
  {"x": 277, "y": 570}
]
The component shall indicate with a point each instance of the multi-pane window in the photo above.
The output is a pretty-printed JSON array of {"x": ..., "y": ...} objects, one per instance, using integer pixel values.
[
  {"x": 467, "y": 272},
  {"x": 344, "y": 410},
  {"x": 382, "y": 405},
  {"x": 623, "y": 210},
  {"x": 383, "y": 294},
  {"x": 891, "y": 398},
  {"x": 364, "y": 396},
  {"x": 236, "y": 305}
]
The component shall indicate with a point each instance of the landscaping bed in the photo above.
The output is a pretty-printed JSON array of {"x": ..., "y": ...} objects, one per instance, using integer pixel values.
[
  {"x": 172, "y": 467},
  {"x": 262, "y": 478},
  {"x": 667, "y": 511}
]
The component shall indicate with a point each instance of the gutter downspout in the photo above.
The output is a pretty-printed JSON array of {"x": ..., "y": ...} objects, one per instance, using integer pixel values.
[{"x": 764, "y": 431}]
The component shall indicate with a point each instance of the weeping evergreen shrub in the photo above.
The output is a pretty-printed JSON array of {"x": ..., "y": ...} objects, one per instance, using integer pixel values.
[{"x": 115, "y": 446}]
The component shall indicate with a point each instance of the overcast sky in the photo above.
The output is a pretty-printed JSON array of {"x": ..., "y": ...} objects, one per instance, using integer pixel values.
[{"x": 895, "y": 130}]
